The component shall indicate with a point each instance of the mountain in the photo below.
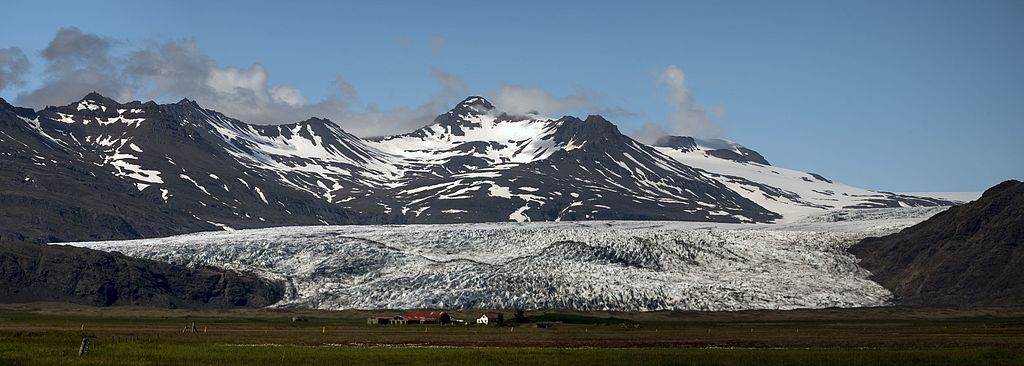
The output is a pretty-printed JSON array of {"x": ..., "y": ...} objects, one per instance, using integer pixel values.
[
  {"x": 36, "y": 272},
  {"x": 99, "y": 169},
  {"x": 968, "y": 255}
]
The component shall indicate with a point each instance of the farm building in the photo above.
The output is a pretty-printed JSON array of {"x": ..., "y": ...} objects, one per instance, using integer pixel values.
[
  {"x": 427, "y": 317},
  {"x": 491, "y": 318},
  {"x": 386, "y": 320}
]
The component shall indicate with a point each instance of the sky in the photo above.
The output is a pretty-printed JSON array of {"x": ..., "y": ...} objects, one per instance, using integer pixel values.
[{"x": 885, "y": 95}]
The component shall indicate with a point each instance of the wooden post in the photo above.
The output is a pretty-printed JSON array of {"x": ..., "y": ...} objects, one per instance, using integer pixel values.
[{"x": 84, "y": 347}]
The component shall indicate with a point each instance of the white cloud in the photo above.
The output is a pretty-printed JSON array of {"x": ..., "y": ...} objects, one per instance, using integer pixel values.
[
  {"x": 688, "y": 118},
  {"x": 529, "y": 100},
  {"x": 649, "y": 133},
  {"x": 287, "y": 95},
  {"x": 230, "y": 80},
  {"x": 532, "y": 100}
]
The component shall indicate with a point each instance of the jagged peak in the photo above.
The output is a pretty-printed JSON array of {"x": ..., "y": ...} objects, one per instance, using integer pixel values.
[
  {"x": 317, "y": 121},
  {"x": 187, "y": 102},
  {"x": 96, "y": 97},
  {"x": 313, "y": 126},
  {"x": 476, "y": 101},
  {"x": 593, "y": 120},
  {"x": 472, "y": 105},
  {"x": 324, "y": 124},
  {"x": 597, "y": 118},
  {"x": 593, "y": 128}
]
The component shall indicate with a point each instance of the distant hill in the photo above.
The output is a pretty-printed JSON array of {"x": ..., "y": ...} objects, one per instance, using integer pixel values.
[
  {"x": 972, "y": 254},
  {"x": 37, "y": 272}
]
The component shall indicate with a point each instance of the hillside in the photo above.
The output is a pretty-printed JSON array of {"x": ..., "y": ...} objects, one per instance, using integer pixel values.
[
  {"x": 36, "y": 272},
  {"x": 969, "y": 255}
]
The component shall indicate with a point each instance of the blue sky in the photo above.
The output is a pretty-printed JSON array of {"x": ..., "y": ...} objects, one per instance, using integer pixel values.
[{"x": 899, "y": 96}]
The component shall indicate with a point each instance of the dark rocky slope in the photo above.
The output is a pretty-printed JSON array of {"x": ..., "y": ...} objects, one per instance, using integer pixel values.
[
  {"x": 35, "y": 272},
  {"x": 969, "y": 255}
]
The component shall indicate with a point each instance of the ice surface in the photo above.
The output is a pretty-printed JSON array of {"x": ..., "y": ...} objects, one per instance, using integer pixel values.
[{"x": 597, "y": 265}]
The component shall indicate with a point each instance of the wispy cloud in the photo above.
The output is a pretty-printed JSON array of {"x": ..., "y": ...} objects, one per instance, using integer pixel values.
[
  {"x": 13, "y": 67},
  {"x": 78, "y": 62},
  {"x": 688, "y": 118},
  {"x": 530, "y": 100},
  {"x": 649, "y": 133},
  {"x": 437, "y": 43}
]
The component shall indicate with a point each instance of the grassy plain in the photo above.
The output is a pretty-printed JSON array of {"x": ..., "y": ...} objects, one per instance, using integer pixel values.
[{"x": 48, "y": 334}]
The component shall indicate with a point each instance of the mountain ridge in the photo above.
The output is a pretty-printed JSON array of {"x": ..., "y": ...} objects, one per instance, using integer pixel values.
[{"x": 195, "y": 169}]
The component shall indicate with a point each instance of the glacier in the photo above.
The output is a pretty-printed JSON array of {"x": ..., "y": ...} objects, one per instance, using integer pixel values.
[{"x": 592, "y": 265}]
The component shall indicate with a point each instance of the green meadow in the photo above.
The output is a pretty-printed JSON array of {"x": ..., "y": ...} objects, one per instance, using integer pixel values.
[{"x": 53, "y": 334}]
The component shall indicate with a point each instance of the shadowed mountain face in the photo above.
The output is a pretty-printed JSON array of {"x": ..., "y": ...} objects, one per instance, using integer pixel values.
[
  {"x": 972, "y": 254},
  {"x": 99, "y": 169},
  {"x": 36, "y": 272}
]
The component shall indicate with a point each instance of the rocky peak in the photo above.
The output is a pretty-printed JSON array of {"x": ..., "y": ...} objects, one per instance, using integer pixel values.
[
  {"x": 722, "y": 149},
  {"x": 683, "y": 143},
  {"x": 185, "y": 102},
  {"x": 474, "y": 103},
  {"x": 97, "y": 99}
]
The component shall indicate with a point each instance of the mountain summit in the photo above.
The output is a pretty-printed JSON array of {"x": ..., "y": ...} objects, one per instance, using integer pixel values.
[{"x": 100, "y": 169}]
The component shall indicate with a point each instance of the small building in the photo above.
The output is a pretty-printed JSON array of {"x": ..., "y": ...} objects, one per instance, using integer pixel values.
[
  {"x": 427, "y": 317},
  {"x": 383, "y": 320},
  {"x": 491, "y": 317}
]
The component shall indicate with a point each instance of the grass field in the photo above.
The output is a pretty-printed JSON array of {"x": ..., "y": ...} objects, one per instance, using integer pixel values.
[{"x": 47, "y": 334}]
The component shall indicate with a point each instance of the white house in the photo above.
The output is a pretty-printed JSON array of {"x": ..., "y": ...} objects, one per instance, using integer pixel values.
[{"x": 487, "y": 318}]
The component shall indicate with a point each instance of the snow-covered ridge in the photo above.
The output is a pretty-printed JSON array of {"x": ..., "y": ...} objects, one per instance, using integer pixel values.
[
  {"x": 595, "y": 265},
  {"x": 474, "y": 163},
  {"x": 793, "y": 194}
]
